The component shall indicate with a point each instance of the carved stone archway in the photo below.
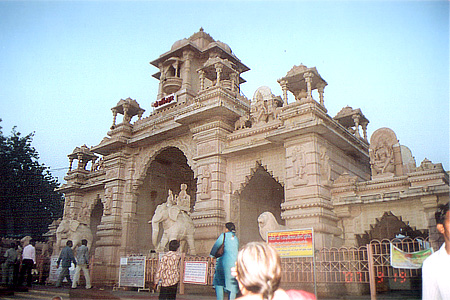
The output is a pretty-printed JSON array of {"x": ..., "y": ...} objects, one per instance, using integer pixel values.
[
  {"x": 167, "y": 169},
  {"x": 261, "y": 193}
]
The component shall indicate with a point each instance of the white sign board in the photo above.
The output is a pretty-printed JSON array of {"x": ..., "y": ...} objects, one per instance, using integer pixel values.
[
  {"x": 195, "y": 272},
  {"x": 132, "y": 271}
]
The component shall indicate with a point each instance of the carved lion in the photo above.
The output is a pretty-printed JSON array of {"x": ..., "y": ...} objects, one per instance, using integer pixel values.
[{"x": 266, "y": 223}]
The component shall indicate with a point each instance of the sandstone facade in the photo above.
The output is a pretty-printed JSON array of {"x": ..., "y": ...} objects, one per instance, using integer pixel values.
[{"x": 240, "y": 157}]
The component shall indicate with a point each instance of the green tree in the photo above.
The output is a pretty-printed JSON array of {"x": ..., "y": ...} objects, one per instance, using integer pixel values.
[{"x": 28, "y": 200}]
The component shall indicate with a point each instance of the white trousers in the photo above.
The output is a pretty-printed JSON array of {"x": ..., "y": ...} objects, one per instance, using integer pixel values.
[{"x": 76, "y": 277}]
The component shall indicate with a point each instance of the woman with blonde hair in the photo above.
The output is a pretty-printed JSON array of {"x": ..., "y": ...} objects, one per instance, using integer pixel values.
[{"x": 258, "y": 272}]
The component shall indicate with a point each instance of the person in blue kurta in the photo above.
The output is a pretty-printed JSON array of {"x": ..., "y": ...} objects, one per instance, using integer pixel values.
[{"x": 223, "y": 280}]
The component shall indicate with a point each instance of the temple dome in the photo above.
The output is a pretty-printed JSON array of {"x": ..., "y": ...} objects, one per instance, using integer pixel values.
[
  {"x": 179, "y": 44},
  {"x": 221, "y": 45}
]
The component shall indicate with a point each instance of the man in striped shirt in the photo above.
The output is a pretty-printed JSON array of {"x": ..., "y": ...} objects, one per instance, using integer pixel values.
[{"x": 169, "y": 272}]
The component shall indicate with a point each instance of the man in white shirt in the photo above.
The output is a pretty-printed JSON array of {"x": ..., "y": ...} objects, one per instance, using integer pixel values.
[
  {"x": 28, "y": 261},
  {"x": 436, "y": 268}
]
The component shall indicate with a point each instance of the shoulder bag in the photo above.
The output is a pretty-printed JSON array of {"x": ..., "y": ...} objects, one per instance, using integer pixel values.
[{"x": 220, "y": 250}]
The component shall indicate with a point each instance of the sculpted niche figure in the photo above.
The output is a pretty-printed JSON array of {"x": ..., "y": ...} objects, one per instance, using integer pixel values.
[
  {"x": 381, "y": 152},
  {"x": 206, "y": 179},
  {"x": 324, "y": 163},
  {"x": 299, "y": 165}
]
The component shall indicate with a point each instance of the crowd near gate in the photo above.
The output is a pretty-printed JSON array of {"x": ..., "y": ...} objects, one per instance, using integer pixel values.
[{"x": 355, "y": 270}]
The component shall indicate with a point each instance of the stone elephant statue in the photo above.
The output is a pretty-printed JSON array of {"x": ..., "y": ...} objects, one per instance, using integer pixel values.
[
  {"x": 177, "y": 225},
  {"x": 72, "y": 230}
]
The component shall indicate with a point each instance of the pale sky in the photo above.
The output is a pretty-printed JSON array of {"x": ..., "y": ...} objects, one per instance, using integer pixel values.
[{"x": 64, "y": 65}]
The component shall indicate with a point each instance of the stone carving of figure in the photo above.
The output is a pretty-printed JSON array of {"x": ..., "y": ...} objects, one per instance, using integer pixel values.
[
  {"x": 260, "y": 109},
  {"x": 84, "y": 214},
  {"x": 183, "y": 199},
  {"x": 206, "y": 177},
  {"x": 299, "y": 166},
  {"x": 241, "y": 123},
  {"x": 274, "y": 108},
  {"x": 382, "y": 158},
  {"x": 107, "y": 203},
  {"x": 324, "y": 163},
  {"x": 98, "y": 165},
  {"x": 170, "y": 199}
]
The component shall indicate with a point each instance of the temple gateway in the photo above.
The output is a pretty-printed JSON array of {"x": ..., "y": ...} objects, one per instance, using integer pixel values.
[{"x": 225, "y": 157}]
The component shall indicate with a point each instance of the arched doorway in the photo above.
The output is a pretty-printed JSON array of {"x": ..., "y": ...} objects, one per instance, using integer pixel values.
[
  {"x": 167, "y": 170},
  {"x": 262, "y": 193}
]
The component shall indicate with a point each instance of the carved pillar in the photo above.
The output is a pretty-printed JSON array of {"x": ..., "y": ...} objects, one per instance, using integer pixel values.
[
  {"x": 364, "y": 128},
  {"x": 308, "y": 78},
  {"x": 356, "y": 120},
  {"x": 126, "y": 116},
  {"x": 187, "y": 55},
  {"x": 429, "y": 204},
  {"x": 114, "y": 117},
  {"x": 283, "y": 84},
  {"x": 70, "y": 164},
  {"x": 219, "y": 69},
  {"x": 233, "y": 77},
  {"x": 202, "y": 80},
  {"x": 321, "y": 88},
  {"x": 210, "y": 212}
]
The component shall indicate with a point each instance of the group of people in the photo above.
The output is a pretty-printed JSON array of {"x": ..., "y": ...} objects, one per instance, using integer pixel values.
[
  {"x": 66, "y": 258},
  {"x": 12, "y": 277}
]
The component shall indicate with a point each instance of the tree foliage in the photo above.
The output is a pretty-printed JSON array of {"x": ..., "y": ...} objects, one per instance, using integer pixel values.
[{"x": 28, "y": 200}]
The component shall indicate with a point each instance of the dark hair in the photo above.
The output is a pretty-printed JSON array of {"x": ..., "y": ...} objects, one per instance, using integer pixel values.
[
  {"x": 441, "y": 212},
  {"x": 69, "y": 243},
  {"x": 13, "y": 245},
  {"x": 32, "y": 241},
  {"x": 230, "y": 226},
  {"x": 84, "y": 242},
  {"x": 173, "y": 245}
]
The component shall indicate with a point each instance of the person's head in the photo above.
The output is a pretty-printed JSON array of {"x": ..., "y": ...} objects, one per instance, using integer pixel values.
[
  {"x": 84, "y": 242},
  {"x": 442, "y": 216},
  {"x": 230, "y": 226},
  {"x": 57, "y": 298},
  {"x": 33, "y": 242},
  {"x": 258, "y": 269},
  {"x": 12, "y": 245},
  {"x": 173, "y": 245},
  {"x": 69, "y": 243}
]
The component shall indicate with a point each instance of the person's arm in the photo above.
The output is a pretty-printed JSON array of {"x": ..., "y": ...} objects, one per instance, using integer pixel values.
[{"x": 33, "y": 255}]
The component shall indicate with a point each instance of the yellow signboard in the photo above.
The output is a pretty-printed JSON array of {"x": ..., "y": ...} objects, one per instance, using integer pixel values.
[{"x": 292, "y": 243}]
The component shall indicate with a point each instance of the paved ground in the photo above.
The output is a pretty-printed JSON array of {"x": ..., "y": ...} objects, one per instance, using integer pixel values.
[{"x": 41, "y": 292}]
